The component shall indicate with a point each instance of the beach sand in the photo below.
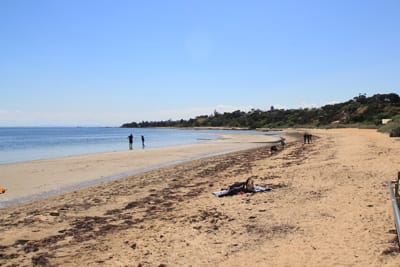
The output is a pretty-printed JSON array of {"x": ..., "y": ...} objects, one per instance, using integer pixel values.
[{"x": 329, "y": 206}]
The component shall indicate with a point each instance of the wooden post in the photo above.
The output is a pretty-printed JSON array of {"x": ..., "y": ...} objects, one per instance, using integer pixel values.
[{"x": 396, "y": 188}]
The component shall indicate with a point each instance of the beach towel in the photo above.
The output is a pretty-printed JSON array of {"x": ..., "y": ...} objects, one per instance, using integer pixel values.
[
  {"x": 2, "y": 190},
  {"x": 257, "y": 189}
]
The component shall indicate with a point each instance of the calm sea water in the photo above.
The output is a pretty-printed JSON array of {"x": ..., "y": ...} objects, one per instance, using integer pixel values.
[{"x": 31, "y": 143}]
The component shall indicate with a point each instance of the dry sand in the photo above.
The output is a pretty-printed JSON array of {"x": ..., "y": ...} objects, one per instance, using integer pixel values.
[{"x": 329, "y": 207}]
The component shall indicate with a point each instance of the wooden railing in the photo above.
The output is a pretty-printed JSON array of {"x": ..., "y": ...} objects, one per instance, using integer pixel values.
[{"x": 395, "y": 197}]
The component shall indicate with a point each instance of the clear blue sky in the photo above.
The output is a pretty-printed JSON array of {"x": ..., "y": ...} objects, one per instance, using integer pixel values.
[{"x": 97, "y": 62}]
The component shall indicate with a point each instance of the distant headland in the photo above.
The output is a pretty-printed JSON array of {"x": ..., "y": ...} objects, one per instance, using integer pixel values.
[{"x": 378, "y": 111}]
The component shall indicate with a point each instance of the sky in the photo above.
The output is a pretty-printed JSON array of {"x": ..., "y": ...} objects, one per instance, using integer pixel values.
[{"x": 108, "y": 62}]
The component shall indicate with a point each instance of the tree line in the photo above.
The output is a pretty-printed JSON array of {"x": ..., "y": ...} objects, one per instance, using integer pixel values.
[{"x": 361, "y": 110}]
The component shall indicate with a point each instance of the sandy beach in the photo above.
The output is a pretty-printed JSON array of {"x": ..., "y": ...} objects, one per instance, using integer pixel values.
[{"x": 329, "y": 206}]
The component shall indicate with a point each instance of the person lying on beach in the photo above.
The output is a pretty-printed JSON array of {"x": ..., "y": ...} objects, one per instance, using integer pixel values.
[
  {"x": 239, "y": 187},
  {"x": 242, "y": 188}
]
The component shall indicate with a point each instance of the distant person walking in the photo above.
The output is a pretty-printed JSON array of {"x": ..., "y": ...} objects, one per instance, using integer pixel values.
[
  {"x": 282, "y": 141},
  {"x": 307, "y": 138},
  {"x": 130, "y": 138},
  {"x": 142, "y": 141}
]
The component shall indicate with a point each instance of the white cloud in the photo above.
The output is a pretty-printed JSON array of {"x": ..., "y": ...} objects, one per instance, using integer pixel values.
[
  {"x": 309, "y": 105},
  {"x": 313, "y": 105},
  {"x": 187, "y": 113},
  {"x": 28, "y": 118},
  {"x": 279, "y": 106},
  {"x": 70, "y": 118}
]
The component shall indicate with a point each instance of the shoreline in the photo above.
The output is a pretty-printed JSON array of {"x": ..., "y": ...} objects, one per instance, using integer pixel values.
[
  {"x": 64, "y": 150},
  {"x": 37, "y": 179},
  {"x": 85, "y": 184}
]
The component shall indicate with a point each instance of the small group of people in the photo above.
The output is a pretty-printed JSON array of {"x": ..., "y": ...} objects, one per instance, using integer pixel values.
[
  {"x": 130, "y": 139},
  {"x": 307, "y": 138}
]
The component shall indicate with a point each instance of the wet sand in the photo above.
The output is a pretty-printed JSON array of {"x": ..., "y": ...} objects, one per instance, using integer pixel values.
[{"x": 329, "y": 207}]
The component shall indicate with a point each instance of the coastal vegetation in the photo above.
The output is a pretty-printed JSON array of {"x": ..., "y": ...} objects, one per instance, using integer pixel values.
[{"x": 361, "y": 111}]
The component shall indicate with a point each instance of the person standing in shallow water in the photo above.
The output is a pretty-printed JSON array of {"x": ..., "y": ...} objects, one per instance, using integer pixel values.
[
  {"x": 142, "y": 141},
  {"x": 130, "y": 138}
]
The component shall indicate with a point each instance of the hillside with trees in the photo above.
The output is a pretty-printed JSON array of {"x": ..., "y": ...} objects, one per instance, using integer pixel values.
[{"x": 361, "y": 111}]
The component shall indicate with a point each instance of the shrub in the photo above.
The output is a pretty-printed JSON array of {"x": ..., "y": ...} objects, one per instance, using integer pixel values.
[{"x": 395, "y": 132}]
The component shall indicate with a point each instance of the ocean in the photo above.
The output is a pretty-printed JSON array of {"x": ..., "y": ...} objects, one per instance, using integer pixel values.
[{"x": 32, "y": 143}]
